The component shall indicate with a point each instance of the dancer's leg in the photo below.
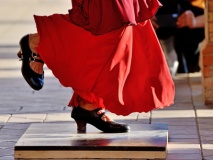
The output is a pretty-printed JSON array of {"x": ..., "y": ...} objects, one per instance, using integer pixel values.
[
  {"x": 33, "y": 43},
  {"x": 91, "y": 106}
]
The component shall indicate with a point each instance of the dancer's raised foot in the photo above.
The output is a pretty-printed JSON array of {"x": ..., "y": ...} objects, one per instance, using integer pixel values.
[{"x": 32, "y": 65}]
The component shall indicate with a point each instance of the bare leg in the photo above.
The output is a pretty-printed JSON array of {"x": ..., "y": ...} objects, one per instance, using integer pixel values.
[
  {"x": 92, "y": 106},
  {"x": 33, "y": 43}
]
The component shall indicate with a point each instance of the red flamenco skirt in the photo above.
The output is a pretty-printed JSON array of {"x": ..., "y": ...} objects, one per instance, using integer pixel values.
[{"x": 123, "y": 70}]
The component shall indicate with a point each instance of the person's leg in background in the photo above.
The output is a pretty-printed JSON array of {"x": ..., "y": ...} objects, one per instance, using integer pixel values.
[
  {"x": 191, "y": 54},
  {"x": 186, "y": 42},
  {"x": 170, "y": 54}
]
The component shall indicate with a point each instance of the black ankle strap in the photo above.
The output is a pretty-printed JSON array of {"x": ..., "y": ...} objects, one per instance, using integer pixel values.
[
  {"x": 35, "y": 55},
  {"x": 101, "y": 115},
  {"x": 33, "y": 58}
]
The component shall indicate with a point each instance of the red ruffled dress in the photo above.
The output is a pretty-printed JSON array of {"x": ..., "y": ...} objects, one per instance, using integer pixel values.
[{"x": 108, "y": 53}]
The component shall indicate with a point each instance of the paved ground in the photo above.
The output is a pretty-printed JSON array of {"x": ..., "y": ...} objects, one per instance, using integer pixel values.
[{"x": 190, "y": 121}]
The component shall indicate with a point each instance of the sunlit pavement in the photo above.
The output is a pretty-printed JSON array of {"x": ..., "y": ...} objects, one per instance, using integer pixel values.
[{"x": 190, "y": 121}]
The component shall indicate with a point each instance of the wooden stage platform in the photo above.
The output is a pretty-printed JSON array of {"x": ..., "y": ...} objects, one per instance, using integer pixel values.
[{"x": 60, "y": 141}]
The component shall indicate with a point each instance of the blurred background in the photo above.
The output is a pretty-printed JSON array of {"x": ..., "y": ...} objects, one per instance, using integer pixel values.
[{"x": 16, "y": 20}]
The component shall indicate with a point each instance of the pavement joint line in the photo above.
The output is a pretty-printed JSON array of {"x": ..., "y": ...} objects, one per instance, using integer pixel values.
[{"x": 196, "y": 117}]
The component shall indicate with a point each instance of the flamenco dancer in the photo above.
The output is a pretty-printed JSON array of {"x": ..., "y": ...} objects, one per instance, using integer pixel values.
[{"x": 108, "y": 53}]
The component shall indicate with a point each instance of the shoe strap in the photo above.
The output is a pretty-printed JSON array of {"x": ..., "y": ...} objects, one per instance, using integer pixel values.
[
  {"x": 101, "y": 115},
  {"x": 33, "y": 58},
  {"x": 35, "y": 54}
]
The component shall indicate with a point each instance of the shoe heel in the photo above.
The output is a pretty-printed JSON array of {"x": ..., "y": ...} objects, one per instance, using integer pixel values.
[
  {"x": 81, "y": 126},
  {"x": 19, "y": 54}
]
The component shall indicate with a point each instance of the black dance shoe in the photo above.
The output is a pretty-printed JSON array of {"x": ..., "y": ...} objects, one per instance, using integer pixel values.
[
  {"x": 35, "y": 80},
  {"x": 82, "y": 117}
]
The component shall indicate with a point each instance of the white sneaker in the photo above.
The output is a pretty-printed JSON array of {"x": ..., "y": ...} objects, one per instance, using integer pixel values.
[{"x": 173, "y": 70}]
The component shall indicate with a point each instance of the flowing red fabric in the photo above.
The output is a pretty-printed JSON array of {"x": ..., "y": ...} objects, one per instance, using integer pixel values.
[{"x": 124, "y": 69}]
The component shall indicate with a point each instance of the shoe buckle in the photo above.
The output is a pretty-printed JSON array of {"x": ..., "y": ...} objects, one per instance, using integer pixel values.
[
  {"x": 21, "y": 58},
  {"x": 33, "y": 57}
]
